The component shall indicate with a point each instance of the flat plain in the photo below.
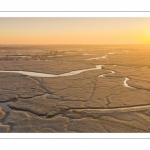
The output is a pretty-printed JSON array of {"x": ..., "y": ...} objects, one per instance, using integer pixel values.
[{"x": 75, "y": 88}]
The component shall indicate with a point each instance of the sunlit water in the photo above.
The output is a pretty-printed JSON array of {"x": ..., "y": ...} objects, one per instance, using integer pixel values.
[
  {"x": 126, "y": 84},
  {"x": 36, "y": 74}
]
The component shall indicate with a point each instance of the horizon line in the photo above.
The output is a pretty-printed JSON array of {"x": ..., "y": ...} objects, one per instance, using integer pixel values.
[{"x": 76, "y": 44}]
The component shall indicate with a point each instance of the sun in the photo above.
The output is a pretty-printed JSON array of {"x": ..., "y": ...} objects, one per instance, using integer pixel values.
[{"x": 145, "y": 39}]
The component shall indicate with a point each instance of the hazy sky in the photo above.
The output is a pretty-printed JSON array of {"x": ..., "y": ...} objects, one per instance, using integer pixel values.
[{"x": 74, "y": 30}]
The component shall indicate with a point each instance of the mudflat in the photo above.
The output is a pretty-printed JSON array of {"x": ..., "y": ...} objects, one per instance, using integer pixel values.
[{"x": 75, "y": 88}]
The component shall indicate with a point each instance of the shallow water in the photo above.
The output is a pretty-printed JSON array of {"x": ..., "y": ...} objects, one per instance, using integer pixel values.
[
  {"x": 113, "y": 110},
  {"x": 97, "y": 58},
  {"x": 111, "y": 53},
  {"x": 111, "y": 72},
  {"x": 93, "y": 58},
  {"x": 21, "y": 56},
  {"x": 87, "y": 54},
  {"x": 104, "y": 56},
  {"x": 36, "y": 74},
  {"x": 103, "y": 75},
  {"x": 125, "y": 83}
]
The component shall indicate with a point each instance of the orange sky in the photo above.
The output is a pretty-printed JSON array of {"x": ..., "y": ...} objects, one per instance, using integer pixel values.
[{"x": 74, "y": 30}]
